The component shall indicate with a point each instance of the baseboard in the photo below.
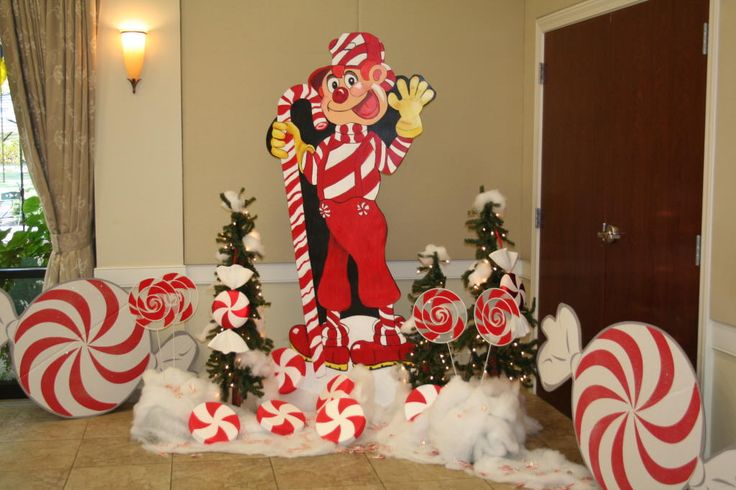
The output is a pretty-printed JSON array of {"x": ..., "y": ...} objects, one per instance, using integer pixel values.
[{"x": 275, "y": 273}]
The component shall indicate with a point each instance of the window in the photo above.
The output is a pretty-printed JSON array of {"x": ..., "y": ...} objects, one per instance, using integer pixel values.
[{"x": 24, "y": 237}]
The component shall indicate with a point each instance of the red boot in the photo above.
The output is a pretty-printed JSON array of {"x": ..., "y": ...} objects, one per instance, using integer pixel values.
[
  {"x": 389, "y": 347},
  {"x": 334, "y": 344}
]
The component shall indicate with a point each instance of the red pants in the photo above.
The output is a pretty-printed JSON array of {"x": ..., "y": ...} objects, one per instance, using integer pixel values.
[{"x": 357, "y": 229}]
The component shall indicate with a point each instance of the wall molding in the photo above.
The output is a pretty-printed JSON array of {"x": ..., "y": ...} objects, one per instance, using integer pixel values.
[{"x": 274, "y": 273}]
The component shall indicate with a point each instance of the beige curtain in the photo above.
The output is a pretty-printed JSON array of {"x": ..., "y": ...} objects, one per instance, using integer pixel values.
[{"x": 49, "y": 49}]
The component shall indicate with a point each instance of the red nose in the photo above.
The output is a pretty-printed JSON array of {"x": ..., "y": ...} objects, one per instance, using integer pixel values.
[{"x": 340, "y": 95}]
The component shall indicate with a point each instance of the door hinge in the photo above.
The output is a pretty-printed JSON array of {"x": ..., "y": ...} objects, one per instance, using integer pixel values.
[
  {"x": 541, "y": 73},
  {"x": 538, "y": 218},
  {"x": 705, "y": 38},
  {"x": 697, "y": 250}
]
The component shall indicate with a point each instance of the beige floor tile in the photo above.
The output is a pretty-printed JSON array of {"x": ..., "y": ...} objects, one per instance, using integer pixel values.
[
  {"x": 116, "y": 451},
  {"x": 41, "y": 427},
  {"x": 401, "y": 470},
  {"x": 113, "y": 424},
  {"x": 246, "y": 473},
  {"x": 187, "y": 458},
  {"x": 466, "y": 484},
  {"x": 32, "y": 479},
  {"x": 139, "y": 477},
  {"x": 333, "y": 470},
  {"x": 502, "y": 486},
  {"x": 31, "y": 455}
]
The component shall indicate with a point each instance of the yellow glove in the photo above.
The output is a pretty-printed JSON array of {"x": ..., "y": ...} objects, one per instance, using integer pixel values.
[
  {"x": 410, "y": 105},
  {"x": 278, "y": 140}
]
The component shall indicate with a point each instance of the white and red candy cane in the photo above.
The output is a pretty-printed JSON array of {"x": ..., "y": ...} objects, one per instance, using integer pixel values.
[
  {"x": 496, "y": 314},
  {"x": 637, "y": 409},
  {"x": 440, "y": 315},
  {"x": 212, "y": 422},
  {"x": 230, "y": 309},
  {"x": 77, "y": 349},
  {"x": 295, "y": 202},
  {"x": 289, "y": 369},
  {"x": 280, "y": 417},
  {"x": 340, "y": 420},
  {"x": 419, "y": 400},
  {"x": 337, "y": 387}
]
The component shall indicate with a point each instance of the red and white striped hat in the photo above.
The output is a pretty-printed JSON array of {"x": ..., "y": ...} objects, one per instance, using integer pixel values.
[{"x": 355, "y": 49}]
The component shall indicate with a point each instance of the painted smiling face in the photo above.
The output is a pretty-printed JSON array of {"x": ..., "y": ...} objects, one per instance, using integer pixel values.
[{"x": 352, "y": 95}]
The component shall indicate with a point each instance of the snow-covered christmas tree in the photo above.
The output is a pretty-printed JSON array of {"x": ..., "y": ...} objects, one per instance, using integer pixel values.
[{"x": 239, "y": 247}]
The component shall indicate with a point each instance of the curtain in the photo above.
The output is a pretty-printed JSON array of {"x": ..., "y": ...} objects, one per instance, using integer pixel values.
[{"x": 49, "y": 50}]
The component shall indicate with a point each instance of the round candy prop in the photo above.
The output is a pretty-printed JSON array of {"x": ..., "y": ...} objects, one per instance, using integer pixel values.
[
  {"x": 340, "y": 420},
  {"x": 213, "y": 422},
  {"x": 496, "y": 314},
  {"x": 186, "y": 295},
  {"x": 280, "y": 417},
  {"x": 636, "y": 409},
  {"x": 153, "y": 303},
  {"x": 440, "y": 315},
  {"x": 230, "y": 309},
  {"x": 337, "y": 387},
  {"x": 289, "y": 369},
  {"x": 511, "y": 283},
  {"x": 420, "y": 399},
  {"x": 78, "y": 351}
]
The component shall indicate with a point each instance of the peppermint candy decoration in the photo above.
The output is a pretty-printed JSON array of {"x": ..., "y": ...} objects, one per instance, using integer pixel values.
[
  {"x": 637, "y": 409},
  {"x": 324, "y": 210},
  {"x": 77, "y": 351},
  {"x": 154, "y": 303},
  {"x": 340, "y": 420},
  {"x": 186, "y": 295},
  {"x": 289, "y": 369},
  {"x": 338, "y": 387},
  {"x": 363, "y": 208},
  {"x": 511, "y": 283},
  {"x": 230, "y": 309},
  {"x": 419, "y": 400},
  {"x": 440, "y": 315},
  {"x": 212, "y": 422},
  {"x": 496, "y": 315},
  {"x": 280, "y": 418}
]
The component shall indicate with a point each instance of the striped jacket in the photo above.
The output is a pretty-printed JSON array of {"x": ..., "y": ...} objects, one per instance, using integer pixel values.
[{"x": 349, "y": 163}]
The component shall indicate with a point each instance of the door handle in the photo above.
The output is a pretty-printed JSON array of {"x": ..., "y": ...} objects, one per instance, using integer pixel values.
[{"x": 609, "y": 234}]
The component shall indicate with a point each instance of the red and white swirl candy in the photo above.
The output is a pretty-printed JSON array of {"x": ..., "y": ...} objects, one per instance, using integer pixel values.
[
  {"x": 511, "y": 283},
  {"x": 230, "y": 309},
  {"x": 496, "y": 316},
  {"x": 212, "y": 422},
  {"x": 340, "y": 420},
  {"x": 637, "y": 409},
  {"x": 77, "y": 351},
  {"x": 280, "y": 417},
  {"x": 154, "y": 302},
  {"x": 419, "y": 400},
  {"x": 289, "y": 369},
  {"x": 440, "y": 315},
  {"x": 186, "y": 295},
  {"x": 339, "y": 386}
]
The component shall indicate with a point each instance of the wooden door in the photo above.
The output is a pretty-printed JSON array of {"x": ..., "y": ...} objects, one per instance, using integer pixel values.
[{"x": 623, "y": 131}]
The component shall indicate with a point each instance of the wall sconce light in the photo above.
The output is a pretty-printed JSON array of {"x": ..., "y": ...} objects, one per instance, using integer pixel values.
[{"x": 134, "y": 46}]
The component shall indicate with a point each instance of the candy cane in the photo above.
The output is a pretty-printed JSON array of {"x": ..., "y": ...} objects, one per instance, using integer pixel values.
[{"x": 295, "y": 202}]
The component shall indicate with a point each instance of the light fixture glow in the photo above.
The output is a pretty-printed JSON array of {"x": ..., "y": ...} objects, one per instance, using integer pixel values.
[{"x": 134, "y": 47}]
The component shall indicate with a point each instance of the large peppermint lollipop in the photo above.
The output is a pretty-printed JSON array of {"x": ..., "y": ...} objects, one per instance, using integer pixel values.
[
  {"x": 440, "y": 315},
  {"x": 496, "y": 315}
]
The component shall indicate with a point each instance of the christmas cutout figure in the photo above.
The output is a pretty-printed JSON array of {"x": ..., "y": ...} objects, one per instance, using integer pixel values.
[{"x": 363, "y": 122}]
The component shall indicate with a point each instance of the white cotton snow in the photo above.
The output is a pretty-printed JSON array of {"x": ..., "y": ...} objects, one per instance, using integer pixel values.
[
  {"x": 425, "y": 256},
  {"x": 477, "y": 427},
  {"x": 493, "y": 196}
]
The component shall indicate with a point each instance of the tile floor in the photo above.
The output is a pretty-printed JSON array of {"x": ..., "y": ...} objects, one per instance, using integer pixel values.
[{"x": 39, "y": 450}]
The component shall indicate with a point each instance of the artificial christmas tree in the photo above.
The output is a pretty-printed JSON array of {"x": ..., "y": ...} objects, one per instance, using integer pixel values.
[
  {"x": 429, "y": 362},
  {"x": 240, "y": 245},
  {"x": 516, "y": 360}
]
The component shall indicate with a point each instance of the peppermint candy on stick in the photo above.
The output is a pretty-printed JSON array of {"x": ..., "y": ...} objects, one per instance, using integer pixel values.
[
  {"x": 496, "y": 316},
  {"x": 154, "y": 303},
  {"x": 440, "y": 315}
]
